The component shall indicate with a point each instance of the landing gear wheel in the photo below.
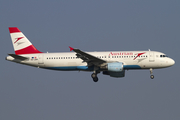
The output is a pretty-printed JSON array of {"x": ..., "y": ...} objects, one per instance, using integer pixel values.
[
  {"x": 94, "y": 77},
  {"x": 152, "y": 76},
  {"x": 151, "y": 72}
]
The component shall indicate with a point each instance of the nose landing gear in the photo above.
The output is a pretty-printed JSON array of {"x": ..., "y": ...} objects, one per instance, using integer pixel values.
[{"x": 151, "y": 72}]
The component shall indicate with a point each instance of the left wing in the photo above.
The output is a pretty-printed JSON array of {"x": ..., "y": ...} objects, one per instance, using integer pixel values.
[{"x": 90, "y": 59}]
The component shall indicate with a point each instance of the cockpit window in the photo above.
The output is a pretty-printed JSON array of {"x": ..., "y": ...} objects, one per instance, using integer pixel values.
[{"x": 163, "y": 56}]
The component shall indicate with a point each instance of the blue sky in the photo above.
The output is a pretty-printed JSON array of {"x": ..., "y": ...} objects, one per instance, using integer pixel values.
[{"x": 101, "y": 25}]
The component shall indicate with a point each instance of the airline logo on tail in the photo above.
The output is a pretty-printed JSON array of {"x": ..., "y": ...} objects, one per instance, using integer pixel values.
[{"x": 17, "y": 39}]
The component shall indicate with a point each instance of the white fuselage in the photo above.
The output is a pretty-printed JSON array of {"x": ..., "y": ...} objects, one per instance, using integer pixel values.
[
  {"x": 69, "y": 60},
  {"x": 112, "y": 63}
]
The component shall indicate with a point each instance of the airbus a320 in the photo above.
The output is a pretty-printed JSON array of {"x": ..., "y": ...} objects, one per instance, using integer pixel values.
[{"x": 112, "y": 63}]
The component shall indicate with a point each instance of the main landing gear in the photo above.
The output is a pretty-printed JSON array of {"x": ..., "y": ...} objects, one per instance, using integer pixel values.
[
  {"x": 151, "y": 72},
  {"x": 94, "y": 77}
]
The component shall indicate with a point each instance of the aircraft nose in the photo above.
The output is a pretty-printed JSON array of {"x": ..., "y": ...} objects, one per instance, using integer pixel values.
[{"x": 172, "y": 62}]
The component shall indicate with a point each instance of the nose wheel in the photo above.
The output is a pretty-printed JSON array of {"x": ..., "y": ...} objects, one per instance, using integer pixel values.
[
  {"x": 151, "y": 72},
  {"x": 152, "y": 76}
]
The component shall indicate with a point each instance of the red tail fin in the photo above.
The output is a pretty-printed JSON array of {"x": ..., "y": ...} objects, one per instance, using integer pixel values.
[{"x": 21, "y": 44}]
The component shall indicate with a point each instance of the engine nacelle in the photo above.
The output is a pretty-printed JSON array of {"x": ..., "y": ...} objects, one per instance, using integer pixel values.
[
  {"x": 114, "y": 74},
  {"x": 115, "y": 67}
]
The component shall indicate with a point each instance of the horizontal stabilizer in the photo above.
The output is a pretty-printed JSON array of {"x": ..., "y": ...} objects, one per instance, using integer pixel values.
[{"x": 18, "y": 57}]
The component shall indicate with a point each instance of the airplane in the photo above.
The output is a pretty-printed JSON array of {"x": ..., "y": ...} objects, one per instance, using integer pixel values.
[{"x": 112, "y": 63}]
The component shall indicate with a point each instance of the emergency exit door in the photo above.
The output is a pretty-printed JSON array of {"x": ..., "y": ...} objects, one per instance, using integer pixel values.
[
  {"x": 40, "y": 59},
  {"x": 151, "y": 56}
]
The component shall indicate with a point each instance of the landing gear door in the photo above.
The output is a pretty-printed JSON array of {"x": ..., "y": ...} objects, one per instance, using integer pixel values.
[
  {"x": 40, "y": 59},
  {"x": 151, "y": 56}
]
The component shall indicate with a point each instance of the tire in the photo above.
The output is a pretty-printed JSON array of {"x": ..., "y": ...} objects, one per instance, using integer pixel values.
[
  {"x": 152, "y": 76},
  {"x": 94, "y": 75},
  {"x": 95, "y": 79}
]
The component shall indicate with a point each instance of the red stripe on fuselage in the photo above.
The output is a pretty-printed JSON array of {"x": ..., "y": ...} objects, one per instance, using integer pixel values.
[
  {"x": 13, "y": 29},
  {"x": 28, "y": 50}
]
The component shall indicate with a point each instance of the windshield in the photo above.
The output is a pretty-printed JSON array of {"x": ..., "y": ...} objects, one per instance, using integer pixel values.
[{"x": 163, "y": 56}]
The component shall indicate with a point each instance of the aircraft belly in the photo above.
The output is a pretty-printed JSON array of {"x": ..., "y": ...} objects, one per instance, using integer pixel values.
[{"x": 66, "y": 65}]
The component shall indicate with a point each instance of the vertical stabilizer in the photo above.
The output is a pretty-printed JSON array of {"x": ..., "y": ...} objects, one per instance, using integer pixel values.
[{"x": 20, "y": 43}]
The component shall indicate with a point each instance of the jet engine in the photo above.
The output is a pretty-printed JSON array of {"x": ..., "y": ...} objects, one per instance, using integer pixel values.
[{"x": 114, "y": 69}]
